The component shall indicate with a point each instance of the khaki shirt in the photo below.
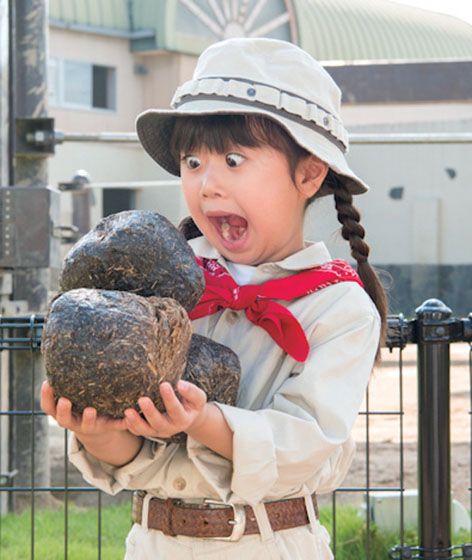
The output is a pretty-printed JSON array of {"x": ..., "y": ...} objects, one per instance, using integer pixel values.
[{"x": 293, "y": 420}]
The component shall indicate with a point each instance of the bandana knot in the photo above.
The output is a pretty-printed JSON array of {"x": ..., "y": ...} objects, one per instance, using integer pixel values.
[
  {"x": 244, "y": 297},
  {"x": 257, "y": 300}
]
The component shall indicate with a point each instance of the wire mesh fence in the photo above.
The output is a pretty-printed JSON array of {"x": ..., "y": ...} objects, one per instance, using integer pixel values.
[{"x": 35, "y": 474}]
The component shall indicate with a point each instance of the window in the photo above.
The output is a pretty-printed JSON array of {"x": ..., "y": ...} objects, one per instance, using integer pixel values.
[{"x": 81, "y": 85}]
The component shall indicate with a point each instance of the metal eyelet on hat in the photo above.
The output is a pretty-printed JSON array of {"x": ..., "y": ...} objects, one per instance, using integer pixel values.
[
  {"x": 326, "y": 121},
  {"x": 251, "y": 92}
]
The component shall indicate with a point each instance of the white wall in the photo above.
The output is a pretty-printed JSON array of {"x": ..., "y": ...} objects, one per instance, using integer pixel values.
[
  {"x": 404, "y": 113},
  {"x": 114, "y": 163},
  {"x": 429, "y": 225}
]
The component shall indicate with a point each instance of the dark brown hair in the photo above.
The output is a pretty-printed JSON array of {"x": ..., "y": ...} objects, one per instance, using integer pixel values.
[{"x": 220, "y": 132}]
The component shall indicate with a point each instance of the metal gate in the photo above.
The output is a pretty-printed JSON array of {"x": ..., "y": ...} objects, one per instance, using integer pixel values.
[{"x": 432, "y": 331}]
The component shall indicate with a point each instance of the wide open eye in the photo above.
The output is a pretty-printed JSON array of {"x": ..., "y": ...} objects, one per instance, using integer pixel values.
[
  {"x": 233, "y": 160},
  {"x": 192, "y": 162}
]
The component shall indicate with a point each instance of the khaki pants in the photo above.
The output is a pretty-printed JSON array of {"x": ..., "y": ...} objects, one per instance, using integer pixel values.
[{"x": 301, "y": 543}]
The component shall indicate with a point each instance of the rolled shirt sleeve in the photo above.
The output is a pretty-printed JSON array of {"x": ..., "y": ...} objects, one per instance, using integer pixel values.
[
  {"x": 132, "y": 476},
  {"x": 163, "y": 469}
]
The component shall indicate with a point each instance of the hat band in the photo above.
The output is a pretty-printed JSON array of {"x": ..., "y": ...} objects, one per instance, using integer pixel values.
[
  {"x": 266, "y": 109},
  {"x": 271, "y": 98}
]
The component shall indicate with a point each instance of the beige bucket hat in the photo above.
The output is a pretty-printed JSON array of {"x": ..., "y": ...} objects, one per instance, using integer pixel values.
[{"x": 266, "y": 77}]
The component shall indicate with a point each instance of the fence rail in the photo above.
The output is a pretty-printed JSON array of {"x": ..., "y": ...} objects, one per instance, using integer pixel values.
[
  {"x": 432, "y": 331},
  {"x": 354, "y": 138}
]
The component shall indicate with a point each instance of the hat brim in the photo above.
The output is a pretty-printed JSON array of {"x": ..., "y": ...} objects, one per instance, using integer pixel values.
[{"x": 155, "y": 126}]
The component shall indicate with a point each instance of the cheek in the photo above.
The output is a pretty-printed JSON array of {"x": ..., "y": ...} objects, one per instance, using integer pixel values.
[{"x": 190, "y": 194}]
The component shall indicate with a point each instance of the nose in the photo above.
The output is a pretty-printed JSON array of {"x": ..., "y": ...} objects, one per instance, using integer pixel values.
[{"x": 211, "y": 186}]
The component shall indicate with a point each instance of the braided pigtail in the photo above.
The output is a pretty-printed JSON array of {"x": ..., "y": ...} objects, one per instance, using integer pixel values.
[
  {"x": 188, "y": 228},
  {"x": 353, "y": 232}
]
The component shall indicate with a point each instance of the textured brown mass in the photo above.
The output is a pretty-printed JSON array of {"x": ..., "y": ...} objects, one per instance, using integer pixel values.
[
  {"x": 135, "y": 251},
  {"x": 121, "y": 326},
  {"x": 106, "y": 349},
  {"x": 214, "y": 368}
]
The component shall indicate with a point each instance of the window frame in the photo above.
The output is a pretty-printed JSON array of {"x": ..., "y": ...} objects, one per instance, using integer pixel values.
[{"x": 57, "y": 89}]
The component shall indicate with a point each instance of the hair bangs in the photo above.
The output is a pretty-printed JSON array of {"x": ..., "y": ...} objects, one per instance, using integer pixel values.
[
  {"x": 216, "y": 133},
  {"x": 219, "y": 133}
]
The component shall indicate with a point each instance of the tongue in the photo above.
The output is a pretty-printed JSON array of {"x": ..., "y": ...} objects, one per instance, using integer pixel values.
[{"x": 233, "y": 227}]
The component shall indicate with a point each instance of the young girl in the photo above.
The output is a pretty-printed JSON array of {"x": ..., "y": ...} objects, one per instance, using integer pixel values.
[{"x": 255, "y": 136}]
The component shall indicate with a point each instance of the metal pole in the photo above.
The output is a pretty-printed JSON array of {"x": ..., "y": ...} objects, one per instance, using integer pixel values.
[
  {"x": 434, "y": 468},
  {"x": 411, "y": 138},
  {"x": 29, "y": 449},
  {"x": 4, "y": 88},
  {"x": 5, "y": 277},
  {"x": 354, "y": 138}
]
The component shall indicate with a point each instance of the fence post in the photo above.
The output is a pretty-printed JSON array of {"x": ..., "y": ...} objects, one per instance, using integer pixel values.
[
  {"x": 31, "y": 283},
  {"x": 434, "y": 466}
]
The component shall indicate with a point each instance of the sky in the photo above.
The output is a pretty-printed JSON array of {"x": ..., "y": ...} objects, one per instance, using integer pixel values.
[{"x": 458, "y": 8}]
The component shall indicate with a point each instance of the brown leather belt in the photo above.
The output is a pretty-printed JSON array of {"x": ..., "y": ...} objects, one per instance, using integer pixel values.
[{"x": 218, "y": 520}]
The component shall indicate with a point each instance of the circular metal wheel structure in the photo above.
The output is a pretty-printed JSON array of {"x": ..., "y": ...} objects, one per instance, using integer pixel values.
[{"x": 225, "y": 19}]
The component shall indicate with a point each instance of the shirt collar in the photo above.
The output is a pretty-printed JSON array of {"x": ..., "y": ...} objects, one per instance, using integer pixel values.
[{"x": 314, "y": 254}]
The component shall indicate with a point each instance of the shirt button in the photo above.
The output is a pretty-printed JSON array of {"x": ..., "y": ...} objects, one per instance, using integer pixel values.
[
  {"x": 179, "y": 483},
  {"x": 232, "y": 317}
]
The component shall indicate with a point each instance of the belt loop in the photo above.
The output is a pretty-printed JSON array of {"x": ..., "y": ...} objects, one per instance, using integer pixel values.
[
  {"x": 310, "y": 509},
  {"x": 145, "y": 512},
  {"x": 265, "y": 528}
]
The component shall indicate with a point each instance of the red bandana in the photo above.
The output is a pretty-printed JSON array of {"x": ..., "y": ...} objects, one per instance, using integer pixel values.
[{"x": 222, "y": 292}]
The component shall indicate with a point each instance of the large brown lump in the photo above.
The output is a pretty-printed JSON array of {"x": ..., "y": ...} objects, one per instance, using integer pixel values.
[
  {"x": 135, "y": 251},
  {"x": 109, "y": 339}
]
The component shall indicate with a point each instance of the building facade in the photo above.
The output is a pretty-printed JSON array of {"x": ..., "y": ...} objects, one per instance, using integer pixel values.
[{"x": 401, "y": 70}]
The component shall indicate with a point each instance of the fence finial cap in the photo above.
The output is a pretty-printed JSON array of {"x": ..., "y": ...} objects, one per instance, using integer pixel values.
[{"x": 434, "y": 308}]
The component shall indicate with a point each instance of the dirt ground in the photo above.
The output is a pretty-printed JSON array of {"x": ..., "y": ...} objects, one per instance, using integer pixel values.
[{"x": 384, "y": 432}]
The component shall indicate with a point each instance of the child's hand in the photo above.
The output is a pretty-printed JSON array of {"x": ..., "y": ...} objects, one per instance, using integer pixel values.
[
  {"x": 179, "y": 416},
  {"x": 87, "y": 424}
]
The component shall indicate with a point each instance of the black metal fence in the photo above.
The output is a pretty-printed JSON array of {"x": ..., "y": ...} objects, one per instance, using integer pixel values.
[{"x": 24, "y": 483}]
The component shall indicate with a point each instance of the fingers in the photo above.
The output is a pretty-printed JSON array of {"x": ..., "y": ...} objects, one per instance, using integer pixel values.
[
  {"x": 174, "y": 408},
  {"x": 194, "y": 397},
  {"x": 150, "y": 426},
  {"x": 88, "y": 422},
  {"x": 182, "y": 412},
  {"x": 48, "y": 400},
  {"x": 178, "y": 415},
  {"x": 61, "y": 410}
]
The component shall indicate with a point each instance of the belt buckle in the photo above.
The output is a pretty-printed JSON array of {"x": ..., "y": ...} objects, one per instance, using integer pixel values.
[{"x": 238, "y": 522}]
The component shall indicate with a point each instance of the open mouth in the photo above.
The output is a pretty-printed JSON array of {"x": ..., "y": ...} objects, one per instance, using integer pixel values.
[{"x": 230, "y": 226}]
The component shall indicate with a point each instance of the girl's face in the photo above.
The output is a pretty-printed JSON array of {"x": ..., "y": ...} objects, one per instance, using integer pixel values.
[{"x": 245, "y": 201}]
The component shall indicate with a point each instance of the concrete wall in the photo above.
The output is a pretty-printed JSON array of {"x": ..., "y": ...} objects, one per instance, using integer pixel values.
[
  {"x": 107, "y": 163},
  {"x": 423, "y": 240}
]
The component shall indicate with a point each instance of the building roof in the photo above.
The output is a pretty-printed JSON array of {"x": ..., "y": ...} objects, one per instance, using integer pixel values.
[
  {"x": 331, "y": 30},
  {"x": 379, "y": 30}
]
